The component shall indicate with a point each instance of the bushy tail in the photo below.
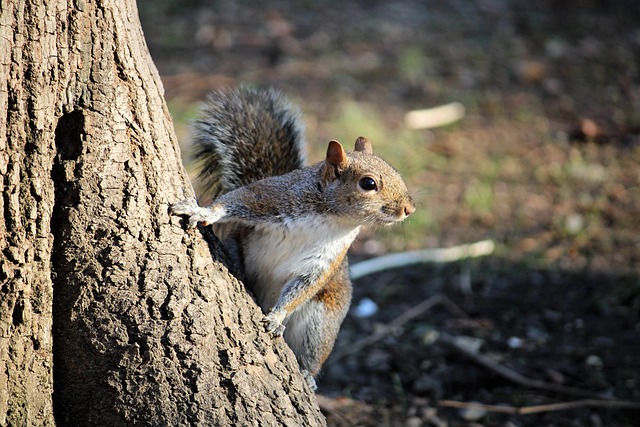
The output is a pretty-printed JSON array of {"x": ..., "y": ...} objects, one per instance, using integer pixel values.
[{"x": 245, "y": 135}]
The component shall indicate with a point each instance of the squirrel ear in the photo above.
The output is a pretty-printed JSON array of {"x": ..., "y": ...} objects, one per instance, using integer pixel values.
[
  {"x": 363, "y": 145},
  {"x": 336, "y": 155}
]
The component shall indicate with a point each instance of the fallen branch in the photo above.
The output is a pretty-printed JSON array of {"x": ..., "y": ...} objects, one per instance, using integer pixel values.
[
  {"x": 524, "y": 410},
  {"x": 512, "y": 375},
  {"x": 439, "y": 255}
]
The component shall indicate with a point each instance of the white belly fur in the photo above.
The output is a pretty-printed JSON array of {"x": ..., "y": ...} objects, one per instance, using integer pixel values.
[{"x": 276, "y": 253}]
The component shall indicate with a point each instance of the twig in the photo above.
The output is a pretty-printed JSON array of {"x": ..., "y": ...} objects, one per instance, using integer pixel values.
[
  {"x": 439, "y": 255},
  {"x": 396, "y": 323},
  {"x": 514, "y": 376},
  {"x": 523, "y": 410}
]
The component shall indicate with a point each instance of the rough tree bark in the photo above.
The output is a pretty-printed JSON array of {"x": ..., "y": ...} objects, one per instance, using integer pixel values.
[{"x": 110, "y": 312}]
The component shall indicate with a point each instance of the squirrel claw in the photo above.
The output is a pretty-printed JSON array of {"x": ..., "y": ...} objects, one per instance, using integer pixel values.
[
  {"x": 184, "y": 207},
  {"x": 311, "y": 382},
  {"x": 273, "y": 323},
  {"x": 196, "y": 213}
]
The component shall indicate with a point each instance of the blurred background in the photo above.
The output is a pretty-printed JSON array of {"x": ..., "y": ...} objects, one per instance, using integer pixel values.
[{"x": 538, "y": 150}]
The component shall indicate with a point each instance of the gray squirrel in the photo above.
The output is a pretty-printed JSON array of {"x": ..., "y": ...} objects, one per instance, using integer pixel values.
[{"x": 288, "y": 225}]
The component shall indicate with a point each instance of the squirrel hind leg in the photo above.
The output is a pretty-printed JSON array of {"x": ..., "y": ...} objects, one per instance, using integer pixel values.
[{"x": 311, "y": 333}]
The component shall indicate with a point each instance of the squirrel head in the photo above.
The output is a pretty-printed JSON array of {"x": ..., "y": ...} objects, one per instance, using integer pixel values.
[{"x": 364, "y": 187}]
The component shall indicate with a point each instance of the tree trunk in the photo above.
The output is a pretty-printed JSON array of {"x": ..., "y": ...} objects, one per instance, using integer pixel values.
[{"x": 110, "y": 312}]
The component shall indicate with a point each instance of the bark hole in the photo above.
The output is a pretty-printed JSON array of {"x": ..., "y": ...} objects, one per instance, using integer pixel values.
[
  {"x": 69, "y": 133},
  {"x": 18, "y": 311}
]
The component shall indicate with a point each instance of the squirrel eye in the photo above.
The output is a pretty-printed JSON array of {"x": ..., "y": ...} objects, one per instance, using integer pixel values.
[{"x": 368, "y": 184}]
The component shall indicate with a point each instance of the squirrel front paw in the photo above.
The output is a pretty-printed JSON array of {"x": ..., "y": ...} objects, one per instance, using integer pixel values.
[
  {"x": 184, "y": 207},
  {"x": 273, "y": 322},
  {"x": 196, "y": 213}
]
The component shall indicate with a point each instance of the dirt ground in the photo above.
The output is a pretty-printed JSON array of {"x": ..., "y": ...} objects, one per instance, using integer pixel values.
[{"x": 544, "y": 163}]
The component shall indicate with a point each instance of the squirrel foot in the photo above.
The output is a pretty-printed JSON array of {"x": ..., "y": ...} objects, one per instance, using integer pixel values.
[
  {"x": 273, "y": 322},
  {"x": 311, "y": 382},
  {"x": 196, "y": 213}
]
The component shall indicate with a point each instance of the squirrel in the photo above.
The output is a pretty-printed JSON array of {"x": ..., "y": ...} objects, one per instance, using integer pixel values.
[{"x": 288, "y": 225}]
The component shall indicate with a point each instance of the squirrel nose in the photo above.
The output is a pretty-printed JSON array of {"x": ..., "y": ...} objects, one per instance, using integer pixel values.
[{"x": 409, "y": 209}]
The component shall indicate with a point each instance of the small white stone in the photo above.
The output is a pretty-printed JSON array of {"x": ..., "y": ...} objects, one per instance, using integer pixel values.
[
  {"x": 514, "y": 342},
  {"x": 365, "y": 308},
  {"x": 472, "y": 413}
]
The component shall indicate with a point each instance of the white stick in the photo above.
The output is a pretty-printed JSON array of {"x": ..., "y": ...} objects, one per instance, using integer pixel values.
[
  {"x": 438, "y": 255},
  {"x": 434, "y": 117}
]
